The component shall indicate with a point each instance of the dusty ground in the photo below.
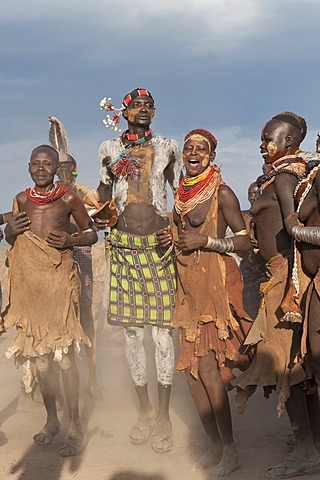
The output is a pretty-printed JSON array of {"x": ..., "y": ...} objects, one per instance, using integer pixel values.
[{"x": 260, "y": 435}]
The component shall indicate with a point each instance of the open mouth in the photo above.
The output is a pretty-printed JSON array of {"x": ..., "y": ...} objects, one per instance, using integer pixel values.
[{"x": 193, "y": 161}]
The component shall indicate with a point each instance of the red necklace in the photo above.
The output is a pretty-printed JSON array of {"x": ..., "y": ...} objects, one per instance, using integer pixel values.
[
  {"x": 40, "y": 197},
  {"x": 134, "y": 137},
  {"x": 189, "y": 196}
]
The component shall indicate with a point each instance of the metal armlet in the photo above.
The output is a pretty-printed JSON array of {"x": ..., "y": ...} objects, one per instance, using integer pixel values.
[
  {"x": 88, "y": 230},
  {"x": 307, "y": 234},
  {"x": 220, "y": 245}
]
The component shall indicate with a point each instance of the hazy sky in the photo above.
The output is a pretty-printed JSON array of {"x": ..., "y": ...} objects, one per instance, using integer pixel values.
[{"x": 224, "y": 65}]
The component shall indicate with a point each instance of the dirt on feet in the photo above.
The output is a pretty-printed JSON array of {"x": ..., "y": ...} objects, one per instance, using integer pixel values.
[{"x": 260, "y": 436}]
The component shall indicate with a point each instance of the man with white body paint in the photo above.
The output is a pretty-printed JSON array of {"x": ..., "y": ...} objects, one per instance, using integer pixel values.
[{"x": 134, "y": 171}]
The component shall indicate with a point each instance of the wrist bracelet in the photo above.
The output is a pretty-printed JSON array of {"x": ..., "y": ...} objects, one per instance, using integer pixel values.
[
  {"x": 88, "y": 230},
  {"x": 306, "y": 234},
  {"x": 220, "y": 245},
  {"x": 241, "y": 232}
]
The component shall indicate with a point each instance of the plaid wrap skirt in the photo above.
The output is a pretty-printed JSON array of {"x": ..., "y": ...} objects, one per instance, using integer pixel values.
[{"x": 142, "y": 282}]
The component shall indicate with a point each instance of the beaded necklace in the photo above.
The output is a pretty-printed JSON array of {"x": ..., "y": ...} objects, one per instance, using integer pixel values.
[
  {"x": 300, "y": 193},
  {"x": 134, "y": 137},
  {"x": 304, "y": 186},
  {"x": 195, "y": 190},
  {"x": 125, "y": 164},
  {"x": 40, "y": 197},
  {"x": 289, "y": 164}
]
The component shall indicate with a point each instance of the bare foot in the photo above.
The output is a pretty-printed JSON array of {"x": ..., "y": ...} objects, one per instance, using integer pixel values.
[
  {"x": 46, "y": 436},
  {"x": 229, "y": 462},
  {"x": 210, "y": 458}
]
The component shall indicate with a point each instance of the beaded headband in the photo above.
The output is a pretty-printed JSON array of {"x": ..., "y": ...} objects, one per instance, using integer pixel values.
[
  {"x": 206, "y": 136},
  {"x": 198, "y": 138},
  {"x": 113, "y": 121},
  {"x": 137, "y": 92}
]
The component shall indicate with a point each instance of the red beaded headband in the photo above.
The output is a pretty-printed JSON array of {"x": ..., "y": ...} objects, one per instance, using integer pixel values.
[
  {"x": 113, "y": 121},
  {"x": 137, "y": 92}
]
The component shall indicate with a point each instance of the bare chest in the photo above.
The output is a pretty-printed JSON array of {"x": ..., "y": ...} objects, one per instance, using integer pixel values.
[{"x": 138, "y": 185}]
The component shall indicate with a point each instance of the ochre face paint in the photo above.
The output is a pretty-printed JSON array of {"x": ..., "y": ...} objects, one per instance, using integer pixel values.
[
  {"x": 151, "y": 115},
  {"x": 205, "y": 162},
  {"x": 206, "y": 157},
  {"x": 133, "y": 112},
  {"x": 272, "y": 149}
]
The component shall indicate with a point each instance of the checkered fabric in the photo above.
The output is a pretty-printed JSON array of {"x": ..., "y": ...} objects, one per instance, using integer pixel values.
[
  {"x": 142, "y": 286},
  {"x": 83, "y": 256}
]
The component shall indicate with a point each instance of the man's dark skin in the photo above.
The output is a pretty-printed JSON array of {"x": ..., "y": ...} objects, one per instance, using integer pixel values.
[
  {"x": 54, "y": 227},
  {"x": 141, "y": 218},
  {"x": 137, "y": 218},
  {"x": 279, "y": 139},
  {"x": 52, "y": 223}
]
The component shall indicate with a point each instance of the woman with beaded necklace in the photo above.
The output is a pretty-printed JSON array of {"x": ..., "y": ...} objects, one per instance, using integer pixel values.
[
  {"x": 209, "y": 291},
  {"x": 277, "y": 328}
]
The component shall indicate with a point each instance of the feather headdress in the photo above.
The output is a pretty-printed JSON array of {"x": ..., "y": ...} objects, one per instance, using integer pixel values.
[{"x": 58, "y": 137}]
